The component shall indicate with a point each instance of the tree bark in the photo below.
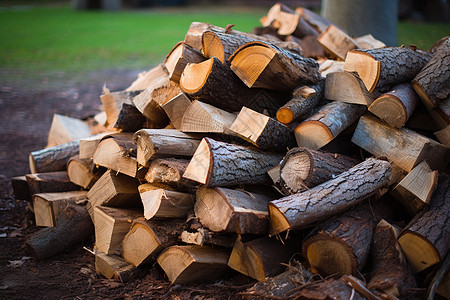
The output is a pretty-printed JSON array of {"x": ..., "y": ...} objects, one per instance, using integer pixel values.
[
  {"x": 181, "y": 55},
  {"x": 53, "y": 159},
  {"x": 129, "y": 119},
  {"x": 50, "y": 182}
]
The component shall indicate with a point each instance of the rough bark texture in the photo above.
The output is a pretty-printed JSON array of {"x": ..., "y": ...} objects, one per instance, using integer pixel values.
[
  {"x": 50, "y": 182},
  {"x": 179, "y": 57},
  {"x": 336, "y": 195},
  {"x": 21, "y": 188},
  {"x": 54, "y": 158},
  {"x": 129, "y": 118}
]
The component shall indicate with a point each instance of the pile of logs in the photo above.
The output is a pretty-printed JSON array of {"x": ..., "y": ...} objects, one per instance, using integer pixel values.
[{"x": 296, "y": 145}]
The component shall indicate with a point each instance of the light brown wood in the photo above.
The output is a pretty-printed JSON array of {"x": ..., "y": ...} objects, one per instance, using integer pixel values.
[
  {"x": 146, "y": 78},
  {"x": 337, "y": 42},
  {"x": 179, "y": 57},
  {"x": 65, "y": 129},
  {"x": 315, "y": 20},
  {"x": 185, "y": 264},
  {"x": 206, "y": 237},
  {"x": 54, "y": 158},
  {"x": 328, "y": 66},
  {"x": 113, "y": 267},
  {"x": 50, "y": 182},
  {"x": 369, "y": 42},
  {"x": 175, "y": 109},
  {"x": 443, "y": 136},
  {"x": 89, "y": 144},
  {"x": 168, "y": 171},
  {"x": 83, "y": 172},
  {"x": 112, "y": 103}
]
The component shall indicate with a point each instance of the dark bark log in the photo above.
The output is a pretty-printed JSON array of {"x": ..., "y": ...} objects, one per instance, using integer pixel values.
[
  {"x": 130, "y": 118},
  {"x": 54, "y": 158},
  {"x": 50, "y": 182},
  {"x": 21, "y": 188}
]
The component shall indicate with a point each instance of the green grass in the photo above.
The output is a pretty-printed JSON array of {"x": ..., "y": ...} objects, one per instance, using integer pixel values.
[{"x": 58, "y": 38}]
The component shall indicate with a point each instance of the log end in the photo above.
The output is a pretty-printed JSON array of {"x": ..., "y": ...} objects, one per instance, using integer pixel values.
[
  {"x": 367, "y": 67},
  {"x": 195, "y": 75},
  {"x": 390, "y": 109},
  {"x": 313, "y": 135},
  {"x": 419, "y": 252},
  {"x": 212, "y": 46},
  {"x": 278, "y": 222},
  {"x": 285, "y": 115}
]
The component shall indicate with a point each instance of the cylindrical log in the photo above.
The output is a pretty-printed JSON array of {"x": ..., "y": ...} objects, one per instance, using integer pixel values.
[{"x": 54, "y": 158}]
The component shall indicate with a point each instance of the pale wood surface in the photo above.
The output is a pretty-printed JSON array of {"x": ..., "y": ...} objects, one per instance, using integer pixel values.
[
  {"x": 50, "y": 182},
  {"x": 113, "y": 267},
  {"x": 336, "y": 42},
  {"x": 175, "y": 109},
  {"x": 65, "y": 129},
  {"x": 348, "y": 87},
  {"x": 146, "y": 78},
  {"x": 83, "y": 172},
  {"x": 179, "y": 57}
]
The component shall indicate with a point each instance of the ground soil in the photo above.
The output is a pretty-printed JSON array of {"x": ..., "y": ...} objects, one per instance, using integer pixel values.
[{"x": 27, "y": 104}]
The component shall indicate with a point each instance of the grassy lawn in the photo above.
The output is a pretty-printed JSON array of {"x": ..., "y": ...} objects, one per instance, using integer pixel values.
[{"x": 58, "y": 38}]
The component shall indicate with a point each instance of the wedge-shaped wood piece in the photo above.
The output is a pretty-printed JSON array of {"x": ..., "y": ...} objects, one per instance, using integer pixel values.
[
  {"x": 83, "y": 172},
  {"x": 175, "y": 109},
  {"x": 111, "y": 225},
  {"x": 403, "y": 147},
  {"x": 426, "y": 239},
  {"x": 113, "y": 267},
  {"x": 226, "y": 210},
  {"x": 194, "y": 34},
  {"x": 327, "y": 123},
  {"x": 221, "y": 164},
  {"x": 179, "y": 57},
  {"x": 48, "y": 207},
  {"x": 348, "y": 87},
  {"x": 336, "y": 42},
  {"x": 50, "y": 182},
  {"x": 262, "y": 131},
  {"x": 154, "y": 143},
  {"x": 443, "y": 136},
  {"x": 54, "y": 158},
  {"x": 263, "y": 65},
  {"x": 65, "y": 129},
  {"x": 304, "y": 168},
  {"x": 415, "y": 190},
  {"x": 256, "y": 258},
  {"x": 391, "y": 274},
  {"x": 112, "y": 103},
  {"x": 163, "y": 202},
  {"x": 396, "y": 106},
  {"x": 89, "y": 144},
  {"x": 146, "y": 78},
  {"x": 203, "y": 117},
  {"x": 369, "y": 42},
  {"x": 185, "y": 264},
  {"x": 330, "y": 66},
  {"x": 146, "y": 239},
  {"x": 315, "y": 20},
  {"x": 385, "y": 67},
  {"x": 298, "y": 210}
]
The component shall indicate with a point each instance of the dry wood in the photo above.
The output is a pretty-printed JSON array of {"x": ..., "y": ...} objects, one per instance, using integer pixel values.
[
  {"x": 385, "y": 67},
  {"x": 396, "y": 106},
  {"x": 369, "y": 42},
  {"x": 304, "y": 100},
  {"x": 185, "y": 264},
  {"x": 337, "y": 42},
  {"x": 328, "y": 66},
  {"x": 443, "y": 136},
  {"x": 255, "y": 258},
  {"x": 164, "y": 203},
  {"x": 111, "y": 226},
  {"x": 112, "y": 103},
  {"x": 83, "y": 172},
  {"x": 304, "y": 168},
  {"x": 310, "y": 46},
  {"x": 299, "y": 210},
  {"x": 113, "y": 267},
  {"x": 403, "y": 147},
  {"x": 263, "y": 65},
  {"x": 54, "y": 158},
  {"x": 426, "y": 239},
  {"x": 146, "y": 239},
  {"x": 155, "y": 143},
  {"x": 168, "y": 171},
  {"x": 315, "y": 20},
  {"x": 50, "y": 182},
  {"x": 391, "y": 274},
  {"x": 175, "y": 109},
  {"x": 206, "y": 237},
  {"x": 21, "y": 188},
  {"x": 415, "y": 190},
  {"x": 221, "y": 164},
  {"x": 73, "y": 226},
  {"x": 146, "y": 79},
  {"x": 48, "y": 207},
  {"x": 226, "y": 210},
  {"x": 179, "y": 57},
  {"x": 327, "y": 123},
  {"x": 89, "y": 144},
  {"x": 129, "y": 119},
  {"x": 65, "y": 129},
  {"x": 348, "y": 87},
  {"x": 262, "y": 131}
]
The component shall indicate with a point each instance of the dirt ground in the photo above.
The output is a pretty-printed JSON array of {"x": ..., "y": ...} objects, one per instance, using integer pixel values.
[{"x": 27, "y": 104}]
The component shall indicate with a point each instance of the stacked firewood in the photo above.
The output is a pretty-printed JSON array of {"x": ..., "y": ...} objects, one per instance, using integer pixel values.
[{"x": 244, "y": 151}]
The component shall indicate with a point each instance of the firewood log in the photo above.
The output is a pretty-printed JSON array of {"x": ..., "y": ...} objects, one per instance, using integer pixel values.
[
  {"x": 112, "y": 103},
  {"x": 403, "y": 147},
  {"x": 129, "y": 119},
  {"x": 316, "y": 21},
  {"x": 443, "y": 136},
  {"x": 175, "y": 109},
  {"x": 426, "y": 239},
  {"x": 382, "y": 68},
  {"x": 221, "y": 164},
  {"x": 168, "y": 171},
  {"x": 299, "y": 210},
  {"x": 50, "y": 182},
  {"x": 83, "y": 172},
  {"x": 396, "y": 106},
  {"x": 113, "y": 267},
  {"x": 336, "y": 42},
  {"x": 73, "y": 226},
  {"x": 54, "y": 158},
  {"x": 89, "y": 144},
  {"x": 65, "y": 129},
  {"x": 181, "y": 55},
  {"x": 206, "y": 237},
  {"x": 369, "y": 42},
  {"x": 310, "y": 46},
  {"x": 146, "y": 79}
]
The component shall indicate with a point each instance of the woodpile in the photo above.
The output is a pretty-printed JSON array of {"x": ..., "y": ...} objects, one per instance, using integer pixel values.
[{"x": 253, "y": 152}]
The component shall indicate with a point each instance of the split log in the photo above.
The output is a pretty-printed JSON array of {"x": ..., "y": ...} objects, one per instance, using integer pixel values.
[
  {"x": 415, "y": 190},
  {"x": 262, "y": 131},
  {"x": 304, "y": 100},
  {"x": 111, "y": 226},
  {"x": 48, "y": 207},
  {"x": 432, "y": 83},
  {"x": 336, "y": 42},
  {"x": 206, "y": 237},
  {"x": 168, "y": 171},
  {"x": 175, "y": 109},
  {"x": 112, "y": 103},
  {"x": 146, "y": 79},
  {"x": 385, "y": 67},
  {"x": 113, "y": 267},
  {"x": 299, "y": 210},
  {"x": 303, "y": 168},
  {"x": 65, "y": 129},
  {"x": 221, "y": 164},
  {"x": 443, "y": 136},
  {"x": 316, "y": 21},
  {"x": 348, "y": 87},
  {"x": 73, "y": 226},
  {"x": 54, "y": 158},
  {"x": 164, "y": 203},
  {"x": 203, "y": 117},
  {"x": 262, "y": 65},
  {"x": 396, "y": 106},
  {"x": 214, "y": 83},
  {"x": 391, "y": 275},
  {"x": 156, "y": 143},
  {"x": 403, "y": 147},
  {"x": 185, "y": 264},
  {"x": 226, "y": 210},
  {"x": 50, "y": 182},
  {"x": 369, "y": 42},
  {"x": 146, "y": 239},
  {"x": 179, "y": 57},
  {"x": 426, "y": 239},
  {"x": 256, "y": 258},
  {"x": 310, "y": 46},
  {"x": 89, "y": 144},
  {"x": 327, "y": 123},
  {"x": 129, "y": 119},
  {"x": 21, "y": 188},
  {"x": 330, "y": 66},
  {"x": 83, "y": 172}
]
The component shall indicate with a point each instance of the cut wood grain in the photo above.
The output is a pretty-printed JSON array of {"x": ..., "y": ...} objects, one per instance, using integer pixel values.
[
  {"x": 89, "y": 144},
  {"x": 65, "y": 129},
  {"x": 443, "y": 136},
  {"x": 113, "y": 267},
  {"x": 175, "y": 109},
  {"x": 179, "y": 57},
  {"x": 83, "y": 172},
  {"x": 168, "y": 171},
  {"x": 112, "y": 103},
  {"x": 369, "y": 42},
  {"x": 336, "y": 42}
]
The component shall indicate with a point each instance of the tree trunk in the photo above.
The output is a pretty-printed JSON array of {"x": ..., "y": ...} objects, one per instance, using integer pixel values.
[{"x": 53, "y": 159}]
